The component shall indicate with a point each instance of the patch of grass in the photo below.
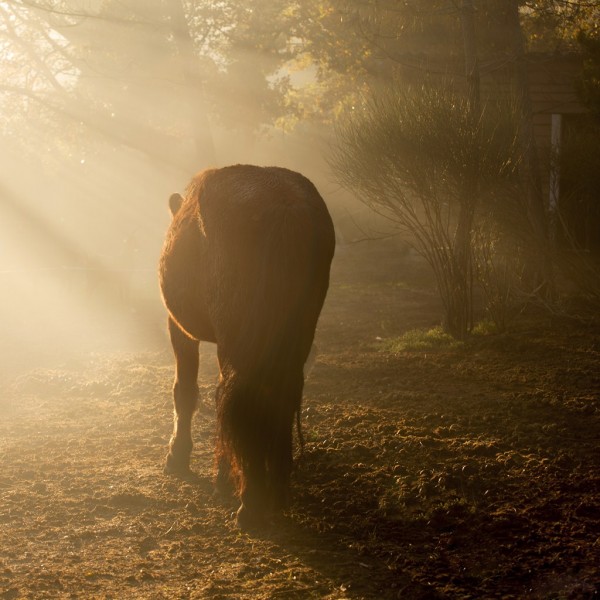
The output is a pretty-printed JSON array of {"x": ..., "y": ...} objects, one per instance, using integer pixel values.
[
  {"x": 421, "y": 339},
  {"x": 485, "y": 327}
]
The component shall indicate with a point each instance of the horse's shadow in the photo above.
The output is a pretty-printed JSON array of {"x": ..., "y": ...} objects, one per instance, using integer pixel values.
[
  {"x": 335, "y": 543},
  {"x": 340, "y": 564}
]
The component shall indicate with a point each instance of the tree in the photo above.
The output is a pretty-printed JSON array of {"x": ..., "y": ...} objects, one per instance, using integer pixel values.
[
  {"x": 496, "y": 35},
  {"x": 554, "y": 25},
  {"x": 156, "y": 76},
  {"x": 422, "y": 159}
]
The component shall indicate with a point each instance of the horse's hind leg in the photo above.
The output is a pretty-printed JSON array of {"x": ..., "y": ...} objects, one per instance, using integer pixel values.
[
  {"x": 280, "y": 459},
  {"x": 243, "y": 443},
  {"x": 251, "y": 512},
  {"x": 185, "y": 396},
  {"x": 224, "y": 485}
]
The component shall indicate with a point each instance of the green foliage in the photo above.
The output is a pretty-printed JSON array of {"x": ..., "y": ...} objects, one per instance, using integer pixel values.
[
  {"x": 146, "y": 74},
  {"x": 554, "y": 25},
  {"x": 256, "y": 62},
  {"x": 434, "y": 339},
  {"x": 486, "y": 327}
]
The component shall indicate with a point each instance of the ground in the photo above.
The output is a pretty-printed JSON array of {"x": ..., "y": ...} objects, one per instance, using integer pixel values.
[{"x": 451, "y": 472}]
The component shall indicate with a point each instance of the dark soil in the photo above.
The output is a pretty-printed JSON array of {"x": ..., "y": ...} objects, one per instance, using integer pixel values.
[{"x": 470, "y": 472}]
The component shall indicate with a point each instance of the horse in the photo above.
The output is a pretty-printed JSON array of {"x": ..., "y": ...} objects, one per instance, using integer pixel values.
[{"x": 245, "y": 265}]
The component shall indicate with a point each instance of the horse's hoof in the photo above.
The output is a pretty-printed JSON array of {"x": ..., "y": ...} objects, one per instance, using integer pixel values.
[{"x": 176, "y": 466}]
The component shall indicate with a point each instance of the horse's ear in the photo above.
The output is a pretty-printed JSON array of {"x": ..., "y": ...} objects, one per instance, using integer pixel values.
[{"x": 175, "y": 202}]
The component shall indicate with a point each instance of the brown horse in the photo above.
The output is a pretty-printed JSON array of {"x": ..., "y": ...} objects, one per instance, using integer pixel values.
[{"x": 246, "y": 265}]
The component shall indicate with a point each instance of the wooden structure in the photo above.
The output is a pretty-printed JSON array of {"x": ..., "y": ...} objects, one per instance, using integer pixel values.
[
  {"x": 559, "y": 121},
  {"x": 556, "y": 106}
]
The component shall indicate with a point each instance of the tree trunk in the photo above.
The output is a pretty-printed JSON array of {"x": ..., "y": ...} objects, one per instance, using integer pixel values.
[
  {"x": 460, "y": 321},
  {"x": 540, "y": 267}
]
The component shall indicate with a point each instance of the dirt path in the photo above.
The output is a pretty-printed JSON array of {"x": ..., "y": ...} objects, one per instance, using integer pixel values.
[{"x": 463, "y": 473}]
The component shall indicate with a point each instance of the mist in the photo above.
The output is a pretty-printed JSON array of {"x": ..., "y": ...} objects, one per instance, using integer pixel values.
[
  {"x": 103, "y": 118},
  {"x": 453, "y": 403}
]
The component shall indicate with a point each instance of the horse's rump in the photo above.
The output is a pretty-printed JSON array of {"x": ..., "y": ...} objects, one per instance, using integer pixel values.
[{"x": 269, "y": 242}]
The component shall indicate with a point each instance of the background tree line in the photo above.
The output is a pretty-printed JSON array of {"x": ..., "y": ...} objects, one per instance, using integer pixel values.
[{"x": 395, "y": 86}]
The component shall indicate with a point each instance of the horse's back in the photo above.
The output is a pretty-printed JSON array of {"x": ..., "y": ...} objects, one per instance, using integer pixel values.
[{"x": 247, "y": 200}]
